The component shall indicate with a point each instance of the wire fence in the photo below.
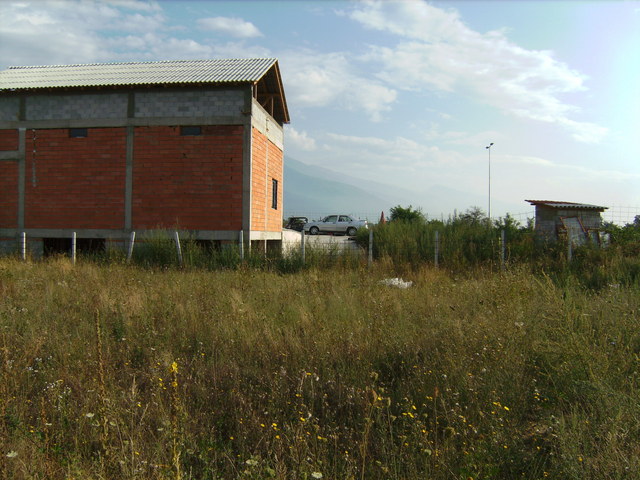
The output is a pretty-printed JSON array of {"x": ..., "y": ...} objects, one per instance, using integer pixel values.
[
  {"x": 618, "y": 214},
  {"x": 374, "y": 217}
]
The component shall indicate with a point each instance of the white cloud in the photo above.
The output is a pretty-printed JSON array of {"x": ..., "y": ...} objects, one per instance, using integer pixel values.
[
  {"x": 453, "y": 137},
  {"x": 93, "y": 31},
  {"x": 566, "y": 172},
  {"x": 235, "y": 27},
  {"x": 399, "y": 152},
  {"x": 583, "y": 131},
  {"x": 145, "y": 6},
  {"x": 140, "y": 23},
  {"x": 442, "y": 53},
  {"x": 525, "y": 160},
  {"x": 50, "y": 32},
  {"x": 299, "y": 140},
  {"x": 317, "y": 80}
]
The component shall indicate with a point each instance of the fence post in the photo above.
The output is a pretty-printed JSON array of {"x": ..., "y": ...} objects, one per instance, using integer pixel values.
[
  {"x": 437, "y": 249},
  {"x": 132, "y": 240},
  {"x": 569, "y": 250},
  {"x": 503, "y": 246},
  {"x": 370, "y": 261},
  {"x": 176, "y": 236},
  {"x": 23, "y": 245},
  {"x": 241, "y": 245},
  {"x": 302, "y": 246},
  {"x": 74, "y": 239}
]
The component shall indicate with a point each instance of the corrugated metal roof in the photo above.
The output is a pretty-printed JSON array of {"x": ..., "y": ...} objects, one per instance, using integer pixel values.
[
  {"x": 555, "y": 204},
  {"x": 239, "y": 70}
]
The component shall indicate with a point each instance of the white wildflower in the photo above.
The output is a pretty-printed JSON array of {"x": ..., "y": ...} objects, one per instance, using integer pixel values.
[{"x": 396, "y": 282}]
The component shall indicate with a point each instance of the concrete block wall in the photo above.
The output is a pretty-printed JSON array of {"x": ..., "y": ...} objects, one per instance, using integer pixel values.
[
  {"x": 75, "y": 106},
  {"x": 189, "y": 104},
  {"x": 9, "y": 109},
  {"x": 115, "y": 105},
  {"x": 264, "y": 123},
  {"x": 548, "y": 220}
]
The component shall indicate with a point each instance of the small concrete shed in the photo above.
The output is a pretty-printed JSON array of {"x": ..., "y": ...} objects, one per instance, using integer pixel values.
[{"x": 580, "y": 221}]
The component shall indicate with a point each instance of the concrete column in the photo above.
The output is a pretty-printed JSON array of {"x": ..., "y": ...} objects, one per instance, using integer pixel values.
[
  {"x": 128, "y": 183},
  {"x": 247, "y": 167},
  {"x": 22, "y": 173}
]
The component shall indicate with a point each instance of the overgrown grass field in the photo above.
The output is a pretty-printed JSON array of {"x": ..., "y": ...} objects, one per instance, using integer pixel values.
[{"x": 115, "y": 371}]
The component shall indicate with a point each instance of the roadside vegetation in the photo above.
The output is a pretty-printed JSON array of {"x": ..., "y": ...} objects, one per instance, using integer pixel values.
[
  {"x": 469, "y": 241},
  {"x": 275, "y": 368}
]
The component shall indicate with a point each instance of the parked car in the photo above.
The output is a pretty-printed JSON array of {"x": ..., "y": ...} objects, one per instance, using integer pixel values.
[
  {"x": 335, "y": 224},
  {"x": 296, "y": 223}
]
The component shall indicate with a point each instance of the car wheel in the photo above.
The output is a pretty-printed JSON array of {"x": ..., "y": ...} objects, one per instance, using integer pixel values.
[
  {"x": 351, "y": 231},
  {"x": 314, "y": 230}
]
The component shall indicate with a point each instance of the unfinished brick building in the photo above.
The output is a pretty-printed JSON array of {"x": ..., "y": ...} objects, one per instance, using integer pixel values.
[{"x": 106, "y": 149}]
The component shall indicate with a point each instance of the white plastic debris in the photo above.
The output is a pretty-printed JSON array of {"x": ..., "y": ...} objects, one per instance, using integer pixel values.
[{"x": 396, "y": 282}]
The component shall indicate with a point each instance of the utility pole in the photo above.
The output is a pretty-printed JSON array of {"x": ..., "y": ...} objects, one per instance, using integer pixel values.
[{"x": 489, "y": 149}]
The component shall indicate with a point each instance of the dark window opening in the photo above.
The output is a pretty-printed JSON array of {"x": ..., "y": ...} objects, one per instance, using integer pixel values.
[
  {"x": 78, "y": 132},
  {"x": 190, "y": 130},
  {"x": 62, "y": 246},
  {"x": 274, "y": 193},
  {"x": 209, "y": 246}
]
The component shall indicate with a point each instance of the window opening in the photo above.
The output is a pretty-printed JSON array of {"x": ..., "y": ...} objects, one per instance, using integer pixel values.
[
  {"x": 78, "y": 133},
  {"x": 190, "y": 130},
  {"x": 274, "y": 193}
]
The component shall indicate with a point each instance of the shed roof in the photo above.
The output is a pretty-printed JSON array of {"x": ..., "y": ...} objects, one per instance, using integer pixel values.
[
  {"x": 566, "y": 205},
  {"x": 262, "y": 73}
]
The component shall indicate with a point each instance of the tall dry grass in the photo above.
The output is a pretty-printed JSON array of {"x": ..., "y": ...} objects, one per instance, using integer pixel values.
[{"x": 113, "y": 371}]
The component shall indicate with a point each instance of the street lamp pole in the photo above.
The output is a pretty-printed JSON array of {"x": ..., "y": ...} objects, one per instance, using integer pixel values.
[{"x": 489, "y": 149}]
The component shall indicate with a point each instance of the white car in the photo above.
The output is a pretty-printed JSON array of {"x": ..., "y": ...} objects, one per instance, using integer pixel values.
[{"x": 335, "y": 224}]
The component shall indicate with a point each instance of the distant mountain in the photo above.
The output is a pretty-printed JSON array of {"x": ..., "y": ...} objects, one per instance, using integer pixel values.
[{"x": 315, "y": 191}]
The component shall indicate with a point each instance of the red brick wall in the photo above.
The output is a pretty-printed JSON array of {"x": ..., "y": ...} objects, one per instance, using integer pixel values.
[
  {"x": 9, "y": 139},
  {"x": 79, "y": 182},
  {"x": 8, "y": 181},
  {"x": 264, "y": 170},
  {"x": 188, "y": 182},
  {"x": 8, "y": 194}
]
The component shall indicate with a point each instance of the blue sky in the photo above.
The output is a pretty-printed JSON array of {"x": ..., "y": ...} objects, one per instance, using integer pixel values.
[{"x": 407, "y": 93}]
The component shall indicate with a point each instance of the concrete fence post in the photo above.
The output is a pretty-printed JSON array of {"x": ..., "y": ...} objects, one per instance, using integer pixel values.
[
  {"x": 436, "y": 255},
  {"x": 176, "y": 236},
  {"x": 132, "y": 240},
  {"x": 302, "y": 247},
  {"x": 241, "y": 244},
  {"x": 23, "y": 245},
  {"x": 74, "y": 239},
  {"x": 370, "y": 261}
]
